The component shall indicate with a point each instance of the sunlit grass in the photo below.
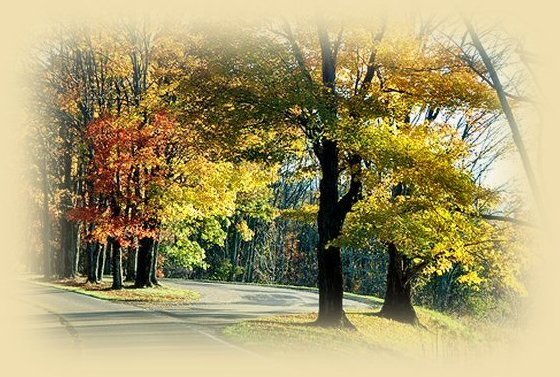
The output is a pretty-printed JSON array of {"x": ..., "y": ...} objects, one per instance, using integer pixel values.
[
  {"x": 161, "y": 294},
  {"x": 438, "y": 336}
]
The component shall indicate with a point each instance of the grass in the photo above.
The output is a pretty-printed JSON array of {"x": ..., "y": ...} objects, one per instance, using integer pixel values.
[
  {"x": 156, "y": 295},
  {"x": 439, "y": 336}
]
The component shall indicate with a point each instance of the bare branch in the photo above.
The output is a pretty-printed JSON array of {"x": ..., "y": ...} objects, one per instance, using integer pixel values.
[{"x": 507, "y": 111}]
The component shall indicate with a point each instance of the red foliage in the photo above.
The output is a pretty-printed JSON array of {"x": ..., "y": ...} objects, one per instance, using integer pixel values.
[{"x": 129, "y": 164}]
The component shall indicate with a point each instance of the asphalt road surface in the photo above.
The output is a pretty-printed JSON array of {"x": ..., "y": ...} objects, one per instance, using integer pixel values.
[{"x": 73, "y": 322}]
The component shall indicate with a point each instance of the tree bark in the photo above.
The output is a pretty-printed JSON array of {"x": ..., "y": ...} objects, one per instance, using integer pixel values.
[
  {"x": 398, "y": 299},
  {"x": 93, "y": 260},
  {"x": 76, "y": 249},
  {"x": 329, "y": 226},
  {"x": 103, "y": 252},
  {"x": 153, "y": 267},
  {"x": 131, "y": 263},
  {"x": 47, "y": 252},
  {"x": 117, "y": 264},
  {"x": 66, "y": 227},
  {"x": 330, "y": 219},
  {"x": 145, "y": 256},
  {"x": 66, "y": 247}
]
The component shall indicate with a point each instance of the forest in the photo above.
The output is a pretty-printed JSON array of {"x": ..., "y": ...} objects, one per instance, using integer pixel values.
[{"x": 357, "y": 156}]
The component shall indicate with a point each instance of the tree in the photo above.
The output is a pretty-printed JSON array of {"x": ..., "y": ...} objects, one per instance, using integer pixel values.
[
  {"x": 176, "y": 138},
  {"x": 128, "y": 167},
  {"x": 205, "y": 200},
  {"x": 330, "y": 87},
  {"x": 430, "y": 221}
]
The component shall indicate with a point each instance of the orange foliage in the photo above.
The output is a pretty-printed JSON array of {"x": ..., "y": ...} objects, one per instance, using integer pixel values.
[{"x": 128, "y": 167}]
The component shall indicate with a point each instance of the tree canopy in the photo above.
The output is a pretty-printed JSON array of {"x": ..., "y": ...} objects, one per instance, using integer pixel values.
[{"x": 235, "y": 150}]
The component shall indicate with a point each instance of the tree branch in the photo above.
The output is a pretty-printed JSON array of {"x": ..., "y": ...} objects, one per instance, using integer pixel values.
[
  {"x": 298, "y": 54},
  {"x": 355, "y": 190},
  {"x": 506, "y": 219},
  {"x": 507, "y": 111}
]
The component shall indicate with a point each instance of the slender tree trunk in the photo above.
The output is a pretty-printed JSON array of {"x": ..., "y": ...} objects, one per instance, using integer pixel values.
[
  {"x": 252, "y": 269},
  {"x": 66, "y": 227},
  {"x": 131, "y": 261},
  {"x": 508, "y": 112},
  {"x": 66, "y": 247},
  {"x": 153, "y": 267},
  {"x": 47, "y": 252},
  {"x": 145, "y": 257},
  {"x": 109, "y": 258},
  {"x": 92, "y": 250},
  {"x": 248, "y": 276},
  {"x": 68, "y": 242},
  {"x": 77, "y": 248},
  {"x": 117, "y": 264},
  {"x": 103, "y": 251},
  {"x": 234, "y": 247},
  {"x": 398, "y": 299}
]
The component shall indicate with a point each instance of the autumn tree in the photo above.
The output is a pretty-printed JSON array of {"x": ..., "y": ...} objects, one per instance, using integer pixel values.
[
  {"x": 431, "y": 219},
  {"x": 65, "y": 100},
  {"x": 172, "y": 141},
  {"x": 324, "y": 87},
  {"x": 127, "y": 168}
]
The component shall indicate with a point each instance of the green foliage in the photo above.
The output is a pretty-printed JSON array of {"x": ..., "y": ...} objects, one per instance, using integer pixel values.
[
  {"x": 226, "y": 271},
  {"x": 242, "y": 106},
  {"x": 202, "y": 201},
  {"x": 419, "y": 195}
]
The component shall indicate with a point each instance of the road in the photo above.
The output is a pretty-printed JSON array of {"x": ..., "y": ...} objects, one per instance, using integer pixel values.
[{"x": 74, "y": 322}]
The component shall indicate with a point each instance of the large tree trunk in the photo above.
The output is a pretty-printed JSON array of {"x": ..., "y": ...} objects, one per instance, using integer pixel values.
[
  {"x": 330, "y": 288},
  {"x": 144, "y": 265},
  {"x": 117, "y": 264},
  {"x": 329, "y": 221},
  {"x": 398, "y": 299},
  {"x": 332, "y": 210}
]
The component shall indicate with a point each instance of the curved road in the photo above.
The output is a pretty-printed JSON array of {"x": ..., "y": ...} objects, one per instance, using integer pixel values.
[{"x": 72, "y": 321}]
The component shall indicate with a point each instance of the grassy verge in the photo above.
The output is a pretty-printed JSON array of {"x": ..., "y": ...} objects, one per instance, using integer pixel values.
[
  {"x": 439, "y": 336},
  {"x": 159, "y": 294}
]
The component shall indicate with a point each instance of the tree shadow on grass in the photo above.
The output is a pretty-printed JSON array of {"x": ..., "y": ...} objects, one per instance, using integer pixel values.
[
  {"x": 380, "y": 314},
  {"x": 307, "y": 324}
]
